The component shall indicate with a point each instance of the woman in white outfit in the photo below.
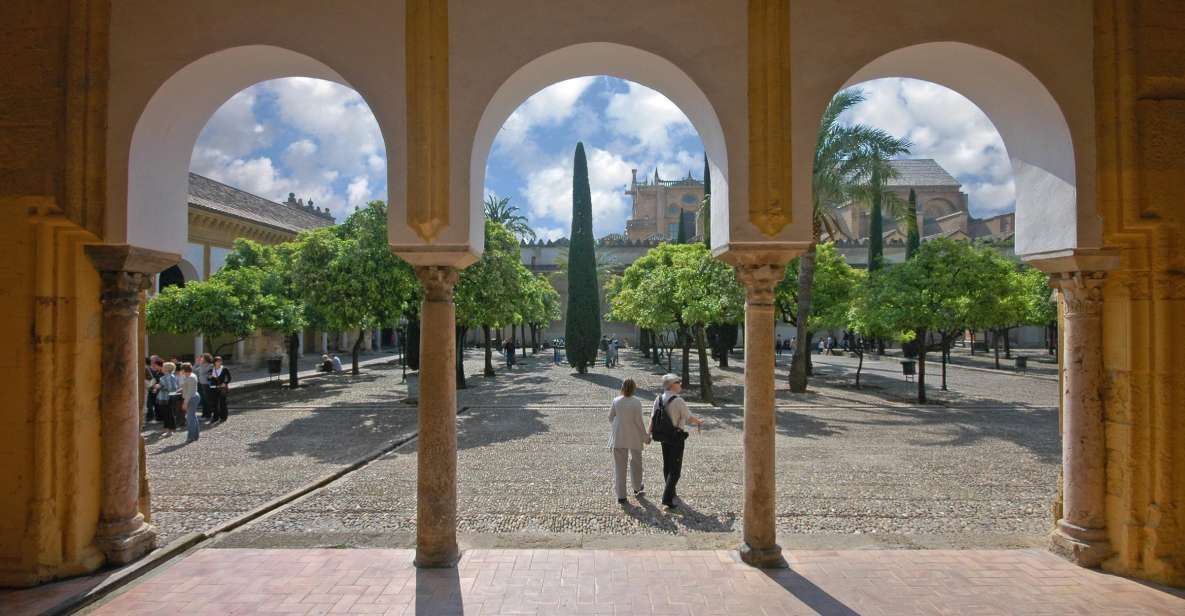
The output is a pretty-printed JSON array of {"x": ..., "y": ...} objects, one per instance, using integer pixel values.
[{"x": 626, "y": 438}]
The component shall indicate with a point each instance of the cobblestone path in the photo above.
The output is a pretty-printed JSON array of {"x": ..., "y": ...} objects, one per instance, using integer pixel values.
[{"x": 856, "y": 467}]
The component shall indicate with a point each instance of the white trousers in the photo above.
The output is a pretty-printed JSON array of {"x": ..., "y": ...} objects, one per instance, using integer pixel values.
[{"x": 620, "y": 454}]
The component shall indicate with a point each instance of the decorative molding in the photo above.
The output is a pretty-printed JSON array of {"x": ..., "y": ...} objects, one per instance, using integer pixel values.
[
  {"x": 128, "y": 258},
  {"x": 426, "y": 50},
  {"x": 439, "y": 282},
  {"x": 769, "y": 115},
  {"x": 1082, "y": 293}
]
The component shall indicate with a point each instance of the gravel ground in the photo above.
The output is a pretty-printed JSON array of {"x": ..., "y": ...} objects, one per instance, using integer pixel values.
[
  {"x": 274, "y": 441},
  {"x": 850, "y": 461}
]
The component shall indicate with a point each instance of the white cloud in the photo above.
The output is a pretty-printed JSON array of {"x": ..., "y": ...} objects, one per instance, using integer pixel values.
[
  {"x": 333, "y": 135},
  {"x": 647, "y": 118},
  {"x": 548, "y": 234},
  {"x": 947, "y": 127}
]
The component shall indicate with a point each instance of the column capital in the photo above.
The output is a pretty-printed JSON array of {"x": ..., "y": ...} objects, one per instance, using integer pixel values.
[
  {"x": 760, "y": 280},
  {"x": 1082, "y": 292},
  {"x": 439, "y": 281}
]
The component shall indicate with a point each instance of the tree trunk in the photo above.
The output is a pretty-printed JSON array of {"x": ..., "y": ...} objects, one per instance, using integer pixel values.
[
  {"x": 643, "y": 342},
  {"x": 996, "y": 344},
  {"x": 412, "y": 347},
  {"x": 654, "y": 342},
  {"x": 973, "y": 343},
  {"x": 945, "y": 352},
  {"x": 1007, "y": 343},
  {"x": 461, "y": 331},
  {"x": 705, "y": 377},
  {"x": 806, "y": 279},
  {"x": 860, "y": 364},
  {"x": 294, "y": 360},
  {"x": 921, "y": 337},
  {"x": 685, "y": 334},
  {"x": 489, "y": 369},
  {"x": 357, "y": 350},
  {"x": 522, "y": 331}
]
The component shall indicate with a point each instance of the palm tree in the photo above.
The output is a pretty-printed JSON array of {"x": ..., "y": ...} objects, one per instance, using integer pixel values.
[
  {"x": 500, "y": 211},
  {"x": 851, "y": 165}
]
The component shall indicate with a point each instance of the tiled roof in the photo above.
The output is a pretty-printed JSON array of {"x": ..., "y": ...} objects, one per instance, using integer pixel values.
[
  {"x": 218, "y": 197},
  {"x": 921, "y": 172}
]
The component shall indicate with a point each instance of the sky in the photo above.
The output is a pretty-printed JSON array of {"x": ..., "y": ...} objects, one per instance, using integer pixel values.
[{"x": 319, "y": 140}]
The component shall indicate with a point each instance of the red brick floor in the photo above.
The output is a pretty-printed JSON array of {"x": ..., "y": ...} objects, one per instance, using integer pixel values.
[{"x": 555, "y": 582}]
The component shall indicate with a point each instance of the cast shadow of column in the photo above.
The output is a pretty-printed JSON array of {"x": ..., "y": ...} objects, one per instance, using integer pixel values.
[
  {"x": 438, "y": 592},
  {"x": 809, "y": 594}
]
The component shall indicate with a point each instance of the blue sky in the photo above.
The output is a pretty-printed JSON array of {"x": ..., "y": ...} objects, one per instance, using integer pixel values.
[{"x": 319, "y": 140}]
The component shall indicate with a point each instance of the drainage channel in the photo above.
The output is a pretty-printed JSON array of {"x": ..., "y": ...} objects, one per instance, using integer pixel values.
[{"x": 196, "y": 541}]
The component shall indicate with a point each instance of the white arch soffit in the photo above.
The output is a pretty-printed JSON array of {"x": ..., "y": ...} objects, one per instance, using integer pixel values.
[
  {"x": 168, "y": 128},
  {"x": 615, "y": 60},
  {"x": 188, "y": 270},
  {"x": 1029, "y": 120}
]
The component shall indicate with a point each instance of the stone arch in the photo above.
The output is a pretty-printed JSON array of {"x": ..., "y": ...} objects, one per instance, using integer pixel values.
[
  {"x": 601, "y": 58},
  {"x": 167, "y": 128},
  {"x": 938, "y": 207},
  {"x": 1030, "y": 122}
]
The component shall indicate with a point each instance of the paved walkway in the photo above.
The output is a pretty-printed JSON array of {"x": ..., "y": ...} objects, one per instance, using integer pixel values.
[{"x": 557, "y": 582}]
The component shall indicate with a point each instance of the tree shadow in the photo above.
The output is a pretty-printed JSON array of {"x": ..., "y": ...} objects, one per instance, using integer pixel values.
[{"x": 336, "y": 433}]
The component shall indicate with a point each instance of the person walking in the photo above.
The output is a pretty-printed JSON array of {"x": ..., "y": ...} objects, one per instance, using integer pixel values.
[
  {"x": 627, "y": 435},
  {"x": 508, "y": 351},
  {"x": 220, "y": 386},
  {"x": 778, "y": 346},
  {"x": 670, "y": 403},
  {"x": 167, "y": 389},
  {"x": 191, "y": 399},
  {"x": 202, "y": 371}
]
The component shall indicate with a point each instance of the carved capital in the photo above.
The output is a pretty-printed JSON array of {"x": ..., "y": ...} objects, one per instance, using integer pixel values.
[
  {"x": 759, "y": 281},
  {"x": 1082, "y": 292},
  {"x": 120, "y": 292},
  {"x": 1169, "y": 286},
  {"x": 438, "y": 281}
]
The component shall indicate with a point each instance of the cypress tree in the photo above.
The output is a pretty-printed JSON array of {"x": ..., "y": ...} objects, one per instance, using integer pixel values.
[
  {"x": 681, "y": 237},
  {"x": 876, "y": 246},
  {"x": 707, "y": 215},
  {"x": 913, "y": 239},
  {"x": 582, "y": 328}
]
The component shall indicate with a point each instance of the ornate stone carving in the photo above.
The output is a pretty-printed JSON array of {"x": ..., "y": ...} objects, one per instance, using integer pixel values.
[
  {"x": 759, "y": 281},
  {"x": 1082, "y": 293},
  {"x": 120, "y": 294},
  {"x": 427, "y": 117},
  {"x": 769, "y": 115},
  {"x": 438, "y": 281}
]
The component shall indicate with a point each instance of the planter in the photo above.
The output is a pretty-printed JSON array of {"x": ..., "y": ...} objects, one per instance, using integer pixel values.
[
  {"x": 909, "y": 369},
  {"x": 1022, "y": 363},
  {"x": 275, "y": 365}
]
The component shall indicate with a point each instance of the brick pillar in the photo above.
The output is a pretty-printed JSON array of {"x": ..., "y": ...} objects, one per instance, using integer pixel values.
[
  {"x": 436, "y": 485},
  {"x": 1081, "y": 533}
]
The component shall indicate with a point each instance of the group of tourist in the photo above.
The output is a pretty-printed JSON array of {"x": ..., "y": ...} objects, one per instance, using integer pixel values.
[
  {"x": 610, "y": 347},
  {"x": 176, "y": 390},
  {"x": 628, "y": 434}
]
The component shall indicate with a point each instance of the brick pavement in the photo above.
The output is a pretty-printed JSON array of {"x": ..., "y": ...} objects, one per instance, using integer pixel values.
[{"x": 557, "y": 582}]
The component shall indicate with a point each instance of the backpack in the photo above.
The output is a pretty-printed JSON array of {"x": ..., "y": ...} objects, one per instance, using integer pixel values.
[{"x": 662, "y": 429}]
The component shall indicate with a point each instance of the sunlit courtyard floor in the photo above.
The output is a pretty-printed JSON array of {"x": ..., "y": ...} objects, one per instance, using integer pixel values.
[{"x": 856, "y": 467}]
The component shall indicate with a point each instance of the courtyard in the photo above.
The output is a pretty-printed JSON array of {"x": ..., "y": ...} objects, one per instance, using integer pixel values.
[{"x": 855, "y": 467}]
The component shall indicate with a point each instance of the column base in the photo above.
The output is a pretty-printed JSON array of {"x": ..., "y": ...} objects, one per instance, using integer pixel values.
[
  {"x": 433, "y": 559},
  {"x": 1085, "y": 547},
  {"x": 124, "y": 546},
  {"x": 763, "y": 558}
]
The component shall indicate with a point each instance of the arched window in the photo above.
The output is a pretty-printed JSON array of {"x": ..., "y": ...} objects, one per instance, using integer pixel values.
[{"x": 171, "y": 277}]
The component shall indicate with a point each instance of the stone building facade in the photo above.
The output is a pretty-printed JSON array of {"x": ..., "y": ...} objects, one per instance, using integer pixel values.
[
  {"x": 942, "y": 208},
  {"x": 219, "y": 214},
  {"x": 659, "y": 205}
]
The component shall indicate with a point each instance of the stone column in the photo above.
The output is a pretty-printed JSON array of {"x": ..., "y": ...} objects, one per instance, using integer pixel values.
[
  {"x": 436, "y": 506},
  {"x": 1081, "y": 534},
  {"x": 122, "y": 534},
  {"x": 760, "y": 547},
  {"x": 199, "y": 346}
]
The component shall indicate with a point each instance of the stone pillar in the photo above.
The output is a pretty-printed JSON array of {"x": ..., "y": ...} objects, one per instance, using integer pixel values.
[
  {"x": 1081, "y": 534},
  {"x": 436, "y": 506},
  {"x": 199, "y": 346},
  {"x": 760, "y": 547},
  {"x": 122, "y": 534},
  {"x": 241, "y": 352},
  {"x": 324, "y": 343}
]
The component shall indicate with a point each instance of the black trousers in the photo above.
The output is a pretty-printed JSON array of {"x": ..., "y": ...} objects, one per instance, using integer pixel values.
[
  {"x": 218, "y": 397},
  {"x": 672, "y": 468}
]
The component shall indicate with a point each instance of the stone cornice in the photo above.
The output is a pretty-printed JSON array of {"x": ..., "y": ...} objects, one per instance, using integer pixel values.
[
  {"x": 210, "y": 228},
  {"x": 128, "y": 258}
]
